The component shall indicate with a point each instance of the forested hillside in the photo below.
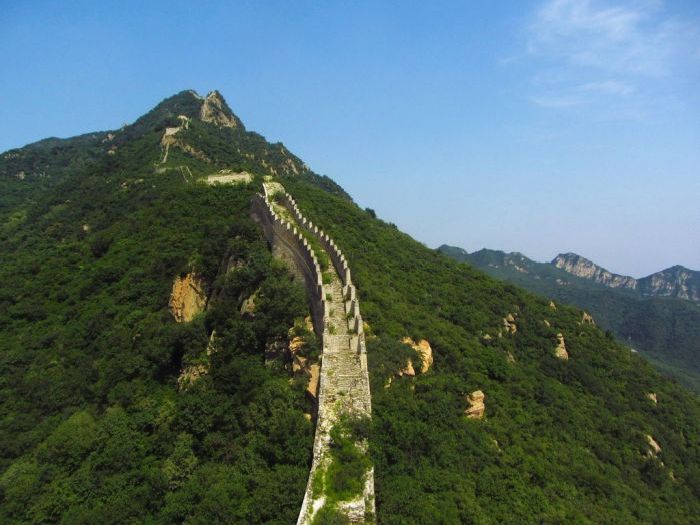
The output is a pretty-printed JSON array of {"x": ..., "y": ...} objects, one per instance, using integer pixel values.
[
  {"x": 665, "y": 330},
  {"x": 93, "y": 425},
  {"x": 99, "y": 425},
  {"x": 563, "y": 441}
]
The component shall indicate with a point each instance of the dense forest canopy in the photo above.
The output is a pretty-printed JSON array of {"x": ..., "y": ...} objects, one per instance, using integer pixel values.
[{"x": 96, "y": 426}]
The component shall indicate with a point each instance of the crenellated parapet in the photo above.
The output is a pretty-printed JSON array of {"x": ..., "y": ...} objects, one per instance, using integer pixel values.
[{"x": 335, "y": 306}]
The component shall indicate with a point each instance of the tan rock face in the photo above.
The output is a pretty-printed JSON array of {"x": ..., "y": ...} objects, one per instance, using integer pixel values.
[
  {"x": 560, "y": 350},
  {"x": 424, "y": 351},
  {"x": 314, "y": 377},
  {"x": 409, "y": 371},
  {"x": 187, "y": 298},
  {"x": 214, "y": 111},
  {"x": 552, "y": 306},
  {"x": 582, "y": 267},
  {"x": 547, "y": 323},
  {"x": 477, "y": 408},
  {"x": 587, "y": 318},
  {"x": 190, "y": 375},
  {"x": 652, "y": 397},
  {"x": 509, "y": 324},
  {"x": 654, "y": 447},
  {"x": 248, "y": 306}
]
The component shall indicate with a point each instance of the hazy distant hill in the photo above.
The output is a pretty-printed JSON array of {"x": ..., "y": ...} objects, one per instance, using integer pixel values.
[
  {"x": 677, "y": 281},
  {"x": 664, "y": 329}
]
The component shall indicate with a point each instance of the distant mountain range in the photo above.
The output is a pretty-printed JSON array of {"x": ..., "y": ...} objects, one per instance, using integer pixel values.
[
  {"x": 677, "y": 281},
  {"x": 658, "y": 315}
]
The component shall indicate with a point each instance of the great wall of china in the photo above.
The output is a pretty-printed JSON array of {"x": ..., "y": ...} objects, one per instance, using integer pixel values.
[{"x": 344, "y": 379}]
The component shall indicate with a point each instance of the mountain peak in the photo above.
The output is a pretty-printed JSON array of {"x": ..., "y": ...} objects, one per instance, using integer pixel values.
[
  {"x": 216, "y": 111},
  {"x": 581, "y": 267}
]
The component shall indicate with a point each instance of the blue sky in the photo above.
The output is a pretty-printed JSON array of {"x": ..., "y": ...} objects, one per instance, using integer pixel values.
[{"x": 535, "y": 126}]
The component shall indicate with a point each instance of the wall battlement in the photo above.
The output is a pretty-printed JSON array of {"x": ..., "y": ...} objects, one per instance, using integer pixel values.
[{"x": 335, "y": 307}]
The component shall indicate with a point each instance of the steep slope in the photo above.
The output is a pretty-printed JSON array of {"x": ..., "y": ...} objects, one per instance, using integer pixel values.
[
  {"x": 111, "y": 410},
  {"x": 561, "y": 440},
  {"x": 664, "y": 330},
  {"x": 114, "y": 412}
]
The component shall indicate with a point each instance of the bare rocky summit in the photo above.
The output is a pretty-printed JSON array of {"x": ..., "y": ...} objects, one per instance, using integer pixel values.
[
  {"x": 587, "y": 269},
  {"x": 677, "y": 281}
]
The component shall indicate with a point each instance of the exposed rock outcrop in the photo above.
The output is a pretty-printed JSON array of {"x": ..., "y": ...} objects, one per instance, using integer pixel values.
[
  {"x": 654, "y": 447},
  {"x": 676, "y": 281},
  {"x": 425, "y": 352},
  {"x": 314, "y": 377},
  {"x": 187, "y": 298},
  {"x": 190, "y": 375},
  {"x": 560, "y": 351},
  {"x": 587, "y": 318},
  {"x": 215, "y": 111},
  {"x": 248, "y": 305},
  {"x": 586, "y": 269},
  {"x": 509, "y": 324},
  {"x": 477, "y": 407},
  {"x": 652, "y": 397},
  {"x": 408, "y": 370},
  {"x": 552, "y": 306}
]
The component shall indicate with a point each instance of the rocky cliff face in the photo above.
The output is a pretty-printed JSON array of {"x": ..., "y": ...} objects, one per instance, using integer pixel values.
[
  {"x": 582, "y": 267},
  {"x": 215, "y": 110},
  {"x": 676, "y": 281}
]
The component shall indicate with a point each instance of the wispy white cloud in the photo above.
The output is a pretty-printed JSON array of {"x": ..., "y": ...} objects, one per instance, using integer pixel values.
[
  {"x": 610, "y": 87},
  {"x": 587, "y": 52}
]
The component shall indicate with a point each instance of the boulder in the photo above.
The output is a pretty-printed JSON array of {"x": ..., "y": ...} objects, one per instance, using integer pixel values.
[
  {"x": 477, "y": 408},
  {"x": 586, "y": 318},
  {"x": 560, "y": 351},
  {"x": 424, "y": 350},
  {"x": 509, "y": 324},
  {"x": 408, "y": 371}
]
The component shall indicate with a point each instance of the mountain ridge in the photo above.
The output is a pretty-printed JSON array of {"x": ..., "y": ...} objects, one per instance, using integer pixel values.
[
  {"x": 97, "y": 425},
  {"x": 675, "y": 281}
]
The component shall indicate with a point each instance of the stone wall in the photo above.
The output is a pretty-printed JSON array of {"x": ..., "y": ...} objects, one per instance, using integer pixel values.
[
  {"x": 284, "y": 236},
  {"x": 352, "y": 303},
  {"x": 344, "y": 378}
]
